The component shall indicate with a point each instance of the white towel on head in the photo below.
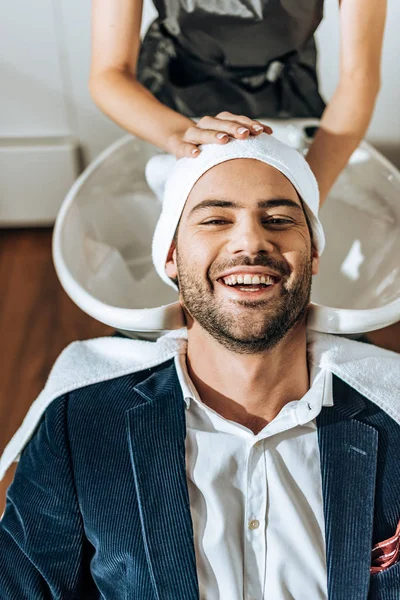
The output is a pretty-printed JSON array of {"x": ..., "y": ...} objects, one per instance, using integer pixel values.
[
  {"x": 157, "y": 170},
  {"x": 180, "y": 177}
]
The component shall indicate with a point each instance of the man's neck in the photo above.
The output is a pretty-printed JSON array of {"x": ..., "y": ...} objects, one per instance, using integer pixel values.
[{"x": 250, "y": 389}]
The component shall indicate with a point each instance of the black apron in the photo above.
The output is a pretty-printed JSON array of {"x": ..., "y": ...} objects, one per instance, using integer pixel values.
[{"x": 251, "y": 57}]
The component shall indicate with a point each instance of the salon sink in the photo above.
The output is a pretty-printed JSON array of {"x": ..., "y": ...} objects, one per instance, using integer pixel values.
[{"x": 102, "y": 242}]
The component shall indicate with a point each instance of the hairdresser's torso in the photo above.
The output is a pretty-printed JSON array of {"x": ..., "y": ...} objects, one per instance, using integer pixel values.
[
  {"x": 224, "y": 54},
  {"x": 238, "y": 33}
]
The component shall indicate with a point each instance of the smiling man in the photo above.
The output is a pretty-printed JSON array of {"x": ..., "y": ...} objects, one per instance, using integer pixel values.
[
  {"x": 246, "y": 272},
  {"x": 234, "y": 460},
  {"x": 244, "y": 258}
]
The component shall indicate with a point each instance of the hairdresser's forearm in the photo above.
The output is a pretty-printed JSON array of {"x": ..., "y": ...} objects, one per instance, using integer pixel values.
[
  {"x": 343, "y": 126},
  {"x": 122, "y": 98}
]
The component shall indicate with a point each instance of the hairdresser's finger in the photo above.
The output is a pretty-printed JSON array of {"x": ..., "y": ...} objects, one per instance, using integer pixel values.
[
  {"x": 183, "y": 149},
  {"x": 265, "y": 128},
  {"x": 253, "y": 125},
  {"x": 196, "y": 135},
  {"x": 232, "y": 128},
  {"x": 238, "y": 129}
]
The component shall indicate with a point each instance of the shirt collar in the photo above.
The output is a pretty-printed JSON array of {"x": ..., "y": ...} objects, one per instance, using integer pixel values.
[
  {"x": 190, "y": 393},
  {"x": 188, "y": 390}
]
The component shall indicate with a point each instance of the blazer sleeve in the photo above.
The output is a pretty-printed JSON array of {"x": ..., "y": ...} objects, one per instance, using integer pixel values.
[{"x": 41, "y": 532}]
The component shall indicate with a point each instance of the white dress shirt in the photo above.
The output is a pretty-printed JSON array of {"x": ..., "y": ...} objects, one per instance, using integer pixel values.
[{"x": 256, "y": 500}]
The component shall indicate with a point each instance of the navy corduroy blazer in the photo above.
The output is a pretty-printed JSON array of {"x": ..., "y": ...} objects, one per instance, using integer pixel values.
[{"x": 99, "y": 507}]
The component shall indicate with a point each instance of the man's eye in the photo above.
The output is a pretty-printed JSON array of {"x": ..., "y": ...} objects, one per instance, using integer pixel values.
[
  {"x": 278, "y": 221},
  {"x": 214, "y": 222}
]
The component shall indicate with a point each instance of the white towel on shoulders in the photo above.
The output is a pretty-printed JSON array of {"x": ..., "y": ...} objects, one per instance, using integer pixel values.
[{"x": 372, "y": 371}]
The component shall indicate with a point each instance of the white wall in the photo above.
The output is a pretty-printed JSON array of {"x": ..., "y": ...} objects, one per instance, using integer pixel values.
[
  {"x": 32, "y": 87},
  {"x": 45, "y": 64}
]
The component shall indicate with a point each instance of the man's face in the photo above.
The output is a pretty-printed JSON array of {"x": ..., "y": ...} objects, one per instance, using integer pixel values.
[{"x": 243, "y": 255}]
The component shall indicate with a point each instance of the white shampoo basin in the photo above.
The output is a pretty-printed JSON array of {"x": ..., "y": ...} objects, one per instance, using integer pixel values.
[{"x": 102, "y": 243}]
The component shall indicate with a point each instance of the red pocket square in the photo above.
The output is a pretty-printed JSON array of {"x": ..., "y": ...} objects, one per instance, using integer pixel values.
[{"x": 386, "y": 553}]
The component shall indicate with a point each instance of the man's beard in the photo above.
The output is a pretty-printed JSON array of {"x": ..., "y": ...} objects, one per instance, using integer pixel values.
[{"x": 260, "y": 325}]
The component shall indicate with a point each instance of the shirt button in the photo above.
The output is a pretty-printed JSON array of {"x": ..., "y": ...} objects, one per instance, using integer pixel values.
[{"x": 254, "y": 524}]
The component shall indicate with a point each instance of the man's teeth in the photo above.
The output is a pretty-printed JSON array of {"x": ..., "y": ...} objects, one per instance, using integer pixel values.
[{"x": 248, "y": 279}]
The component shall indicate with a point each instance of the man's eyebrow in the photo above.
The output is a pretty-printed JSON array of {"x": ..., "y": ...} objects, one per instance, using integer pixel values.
[
  {"x": 218, "y": 203},
  {"x": 279, "y": 202}
]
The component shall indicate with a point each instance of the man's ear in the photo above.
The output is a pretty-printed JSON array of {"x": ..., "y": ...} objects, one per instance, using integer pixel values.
[
  {"x": 170, "y": 264},
  {"x": 315, "y": 261}
]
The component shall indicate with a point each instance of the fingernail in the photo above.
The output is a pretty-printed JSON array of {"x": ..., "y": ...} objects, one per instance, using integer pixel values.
[
  {"x": 243, "y": 130},
  {"x": 221, "y": 136},
  {"x": 195, "y": 151},
  {"x": 258, "y": 127}
]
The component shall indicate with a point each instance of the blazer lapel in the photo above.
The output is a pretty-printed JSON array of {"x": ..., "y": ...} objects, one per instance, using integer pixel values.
[
  {"x": 156, "y": 430},
  {"x": 348, "y": 450}
]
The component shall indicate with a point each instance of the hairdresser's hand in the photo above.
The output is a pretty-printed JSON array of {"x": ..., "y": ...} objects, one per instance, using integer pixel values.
[{"x": 214, "y": 130}]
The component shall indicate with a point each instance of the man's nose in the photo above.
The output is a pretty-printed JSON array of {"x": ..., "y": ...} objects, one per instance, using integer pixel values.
[{"x": 249, "y": 236}]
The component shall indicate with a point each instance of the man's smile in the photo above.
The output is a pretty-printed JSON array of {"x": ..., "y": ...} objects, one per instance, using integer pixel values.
[
  {"x": 248, "y": 282},
  {"x": 247, "y": 287},
  {"x": 250, "y": 270}
]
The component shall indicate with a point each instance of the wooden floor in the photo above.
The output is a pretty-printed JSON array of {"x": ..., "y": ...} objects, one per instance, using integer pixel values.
[{"x": 37, "y": 320}]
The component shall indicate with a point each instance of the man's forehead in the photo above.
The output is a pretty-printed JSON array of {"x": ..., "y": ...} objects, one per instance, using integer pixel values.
[{"x": 242, "y": 189}]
